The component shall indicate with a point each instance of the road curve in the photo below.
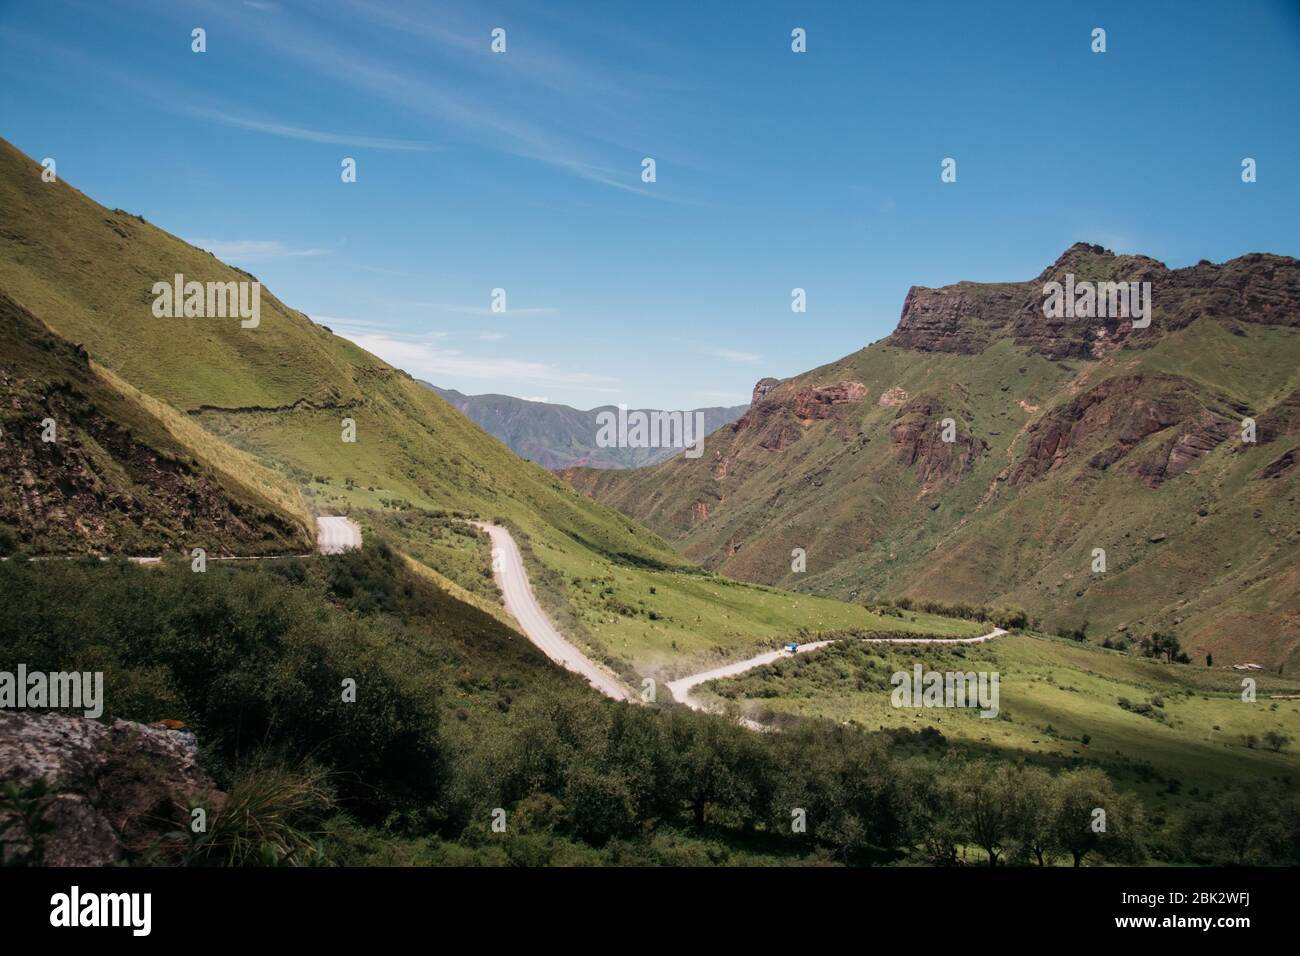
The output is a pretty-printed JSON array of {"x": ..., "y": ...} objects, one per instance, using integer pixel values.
[
  {"x": 508, "y": 570},
  {"x": 681, "y": 688},
  {"x": 336, "y": 534}
]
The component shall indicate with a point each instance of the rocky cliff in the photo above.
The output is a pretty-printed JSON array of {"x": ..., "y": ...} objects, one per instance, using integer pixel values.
[{"x": 968, "y": 317}]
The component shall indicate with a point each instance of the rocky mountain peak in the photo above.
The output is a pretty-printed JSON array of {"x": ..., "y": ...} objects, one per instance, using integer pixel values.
[{"x": 967, "y": 317}]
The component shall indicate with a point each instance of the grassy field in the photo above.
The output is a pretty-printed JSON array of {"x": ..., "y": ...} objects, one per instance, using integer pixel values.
[
  {"x": 1184, "y": 732},
  {"x": 668, "y": 623}
]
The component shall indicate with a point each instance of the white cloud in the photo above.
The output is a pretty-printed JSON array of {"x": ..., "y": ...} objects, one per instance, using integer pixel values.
[
  {"x": 420, "y": 356},
  {"x": 748, "y": 358},
  {"x": 485, "y": 310},
  {"x": 310, "y": 135},
  {"x": 251, "y": 250}
]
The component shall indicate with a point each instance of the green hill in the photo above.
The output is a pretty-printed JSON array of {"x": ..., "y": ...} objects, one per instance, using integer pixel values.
[
  {"x": 1069, "y": 436},
  {"x": 284, "y": 392}
]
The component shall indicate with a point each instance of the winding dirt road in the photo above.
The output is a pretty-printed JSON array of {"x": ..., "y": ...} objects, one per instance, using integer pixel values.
[
  {"x": 508, "y": 570},
  {"x": 681, "y": 688}
]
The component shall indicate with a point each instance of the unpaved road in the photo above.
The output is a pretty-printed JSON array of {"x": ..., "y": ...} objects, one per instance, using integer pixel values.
[
  {"x": 681, "y": 688},
  {"x": 508, "y": 570},
  {"x": 335, "y": 534}
]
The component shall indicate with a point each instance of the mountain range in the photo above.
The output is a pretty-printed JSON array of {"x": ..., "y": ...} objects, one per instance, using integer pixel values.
[
  {"x": 1077, "y": 444},
  {"x": 558, "y": 436}
]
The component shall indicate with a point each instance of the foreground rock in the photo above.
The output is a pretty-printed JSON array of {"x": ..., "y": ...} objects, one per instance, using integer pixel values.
[{"x": 116, "y": 788}]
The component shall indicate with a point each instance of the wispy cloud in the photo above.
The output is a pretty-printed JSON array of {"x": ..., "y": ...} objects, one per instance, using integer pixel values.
[
  {"x": 424, "y": 358},
  {"x": 288, "y": 131},
  {"x": 730, "y": 355},
  {"x": 561, "y": 111},
  {"x": 485, "y": 310},
  {"x": 252, "y": 250}
]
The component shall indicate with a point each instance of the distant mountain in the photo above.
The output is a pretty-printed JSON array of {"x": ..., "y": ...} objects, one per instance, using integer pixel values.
[
  {"x": 1065, "y": 437},
  {"x": 557, "y": 436}
]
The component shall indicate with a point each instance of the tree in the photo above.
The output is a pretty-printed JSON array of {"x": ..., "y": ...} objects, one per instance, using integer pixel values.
[
  {"x": 931, "y": 815},
  {"x": 1276, "y": 741},
  {"x": 1035, "y": 797},
  {"x": 1256, "y": 825},
  {"x": 987, "y": 805},
  {"x": 1091, "y": 818},
  {"x": 716, "y": 762},
  {"x": 1165, "y": 645}
]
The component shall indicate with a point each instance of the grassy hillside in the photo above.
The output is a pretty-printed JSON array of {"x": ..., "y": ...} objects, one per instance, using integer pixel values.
[
  {"x": 1170, "y": 732},
  {"x": 1133, "y": 447},
  {"x": 121, "y": 473},
  {"x": 281, "y": 392}
]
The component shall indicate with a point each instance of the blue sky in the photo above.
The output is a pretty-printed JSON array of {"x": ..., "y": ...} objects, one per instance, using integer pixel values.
[{"x": 774, "y": 170}]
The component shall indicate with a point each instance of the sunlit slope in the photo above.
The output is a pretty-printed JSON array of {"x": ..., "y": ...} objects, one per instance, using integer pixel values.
[
  {"x": 88, "y": 272},
  {"x": 282, "y": 389},
  {"x": 1059, "y": 701},
  {"x": 1135, "y": 450},
  {"x": 289, "y": 393}
]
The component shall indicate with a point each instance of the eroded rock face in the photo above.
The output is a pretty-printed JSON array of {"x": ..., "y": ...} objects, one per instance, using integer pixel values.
[
  {"x": 813, "y": 402},
  {"x": 118, "y": 787},
  {"x": 1280, "y": 421},
  {"x": 1128, "y": 410},
  {"x": 917, "y": 440},
  {"x": 969, "y": 316},
  {"x": 780, "y": 410},
  {"x": 892, "y": 397},
  {"x": 962, "y": 318},
  {"x": 761, "y": 388}
]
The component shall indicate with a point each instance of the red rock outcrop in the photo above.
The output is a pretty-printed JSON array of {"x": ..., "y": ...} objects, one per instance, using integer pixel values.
[
  {"x": 969, "y": 316},
  {"x": 780, "y": 411},
  {"x": 917, "y": 440},
  {"x": 1123, "y": 412},
  {"x": 813, "y": 402}
]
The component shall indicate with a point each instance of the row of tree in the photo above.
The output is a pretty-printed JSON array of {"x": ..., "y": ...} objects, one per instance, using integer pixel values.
[{"x": 616, "y": 771}]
